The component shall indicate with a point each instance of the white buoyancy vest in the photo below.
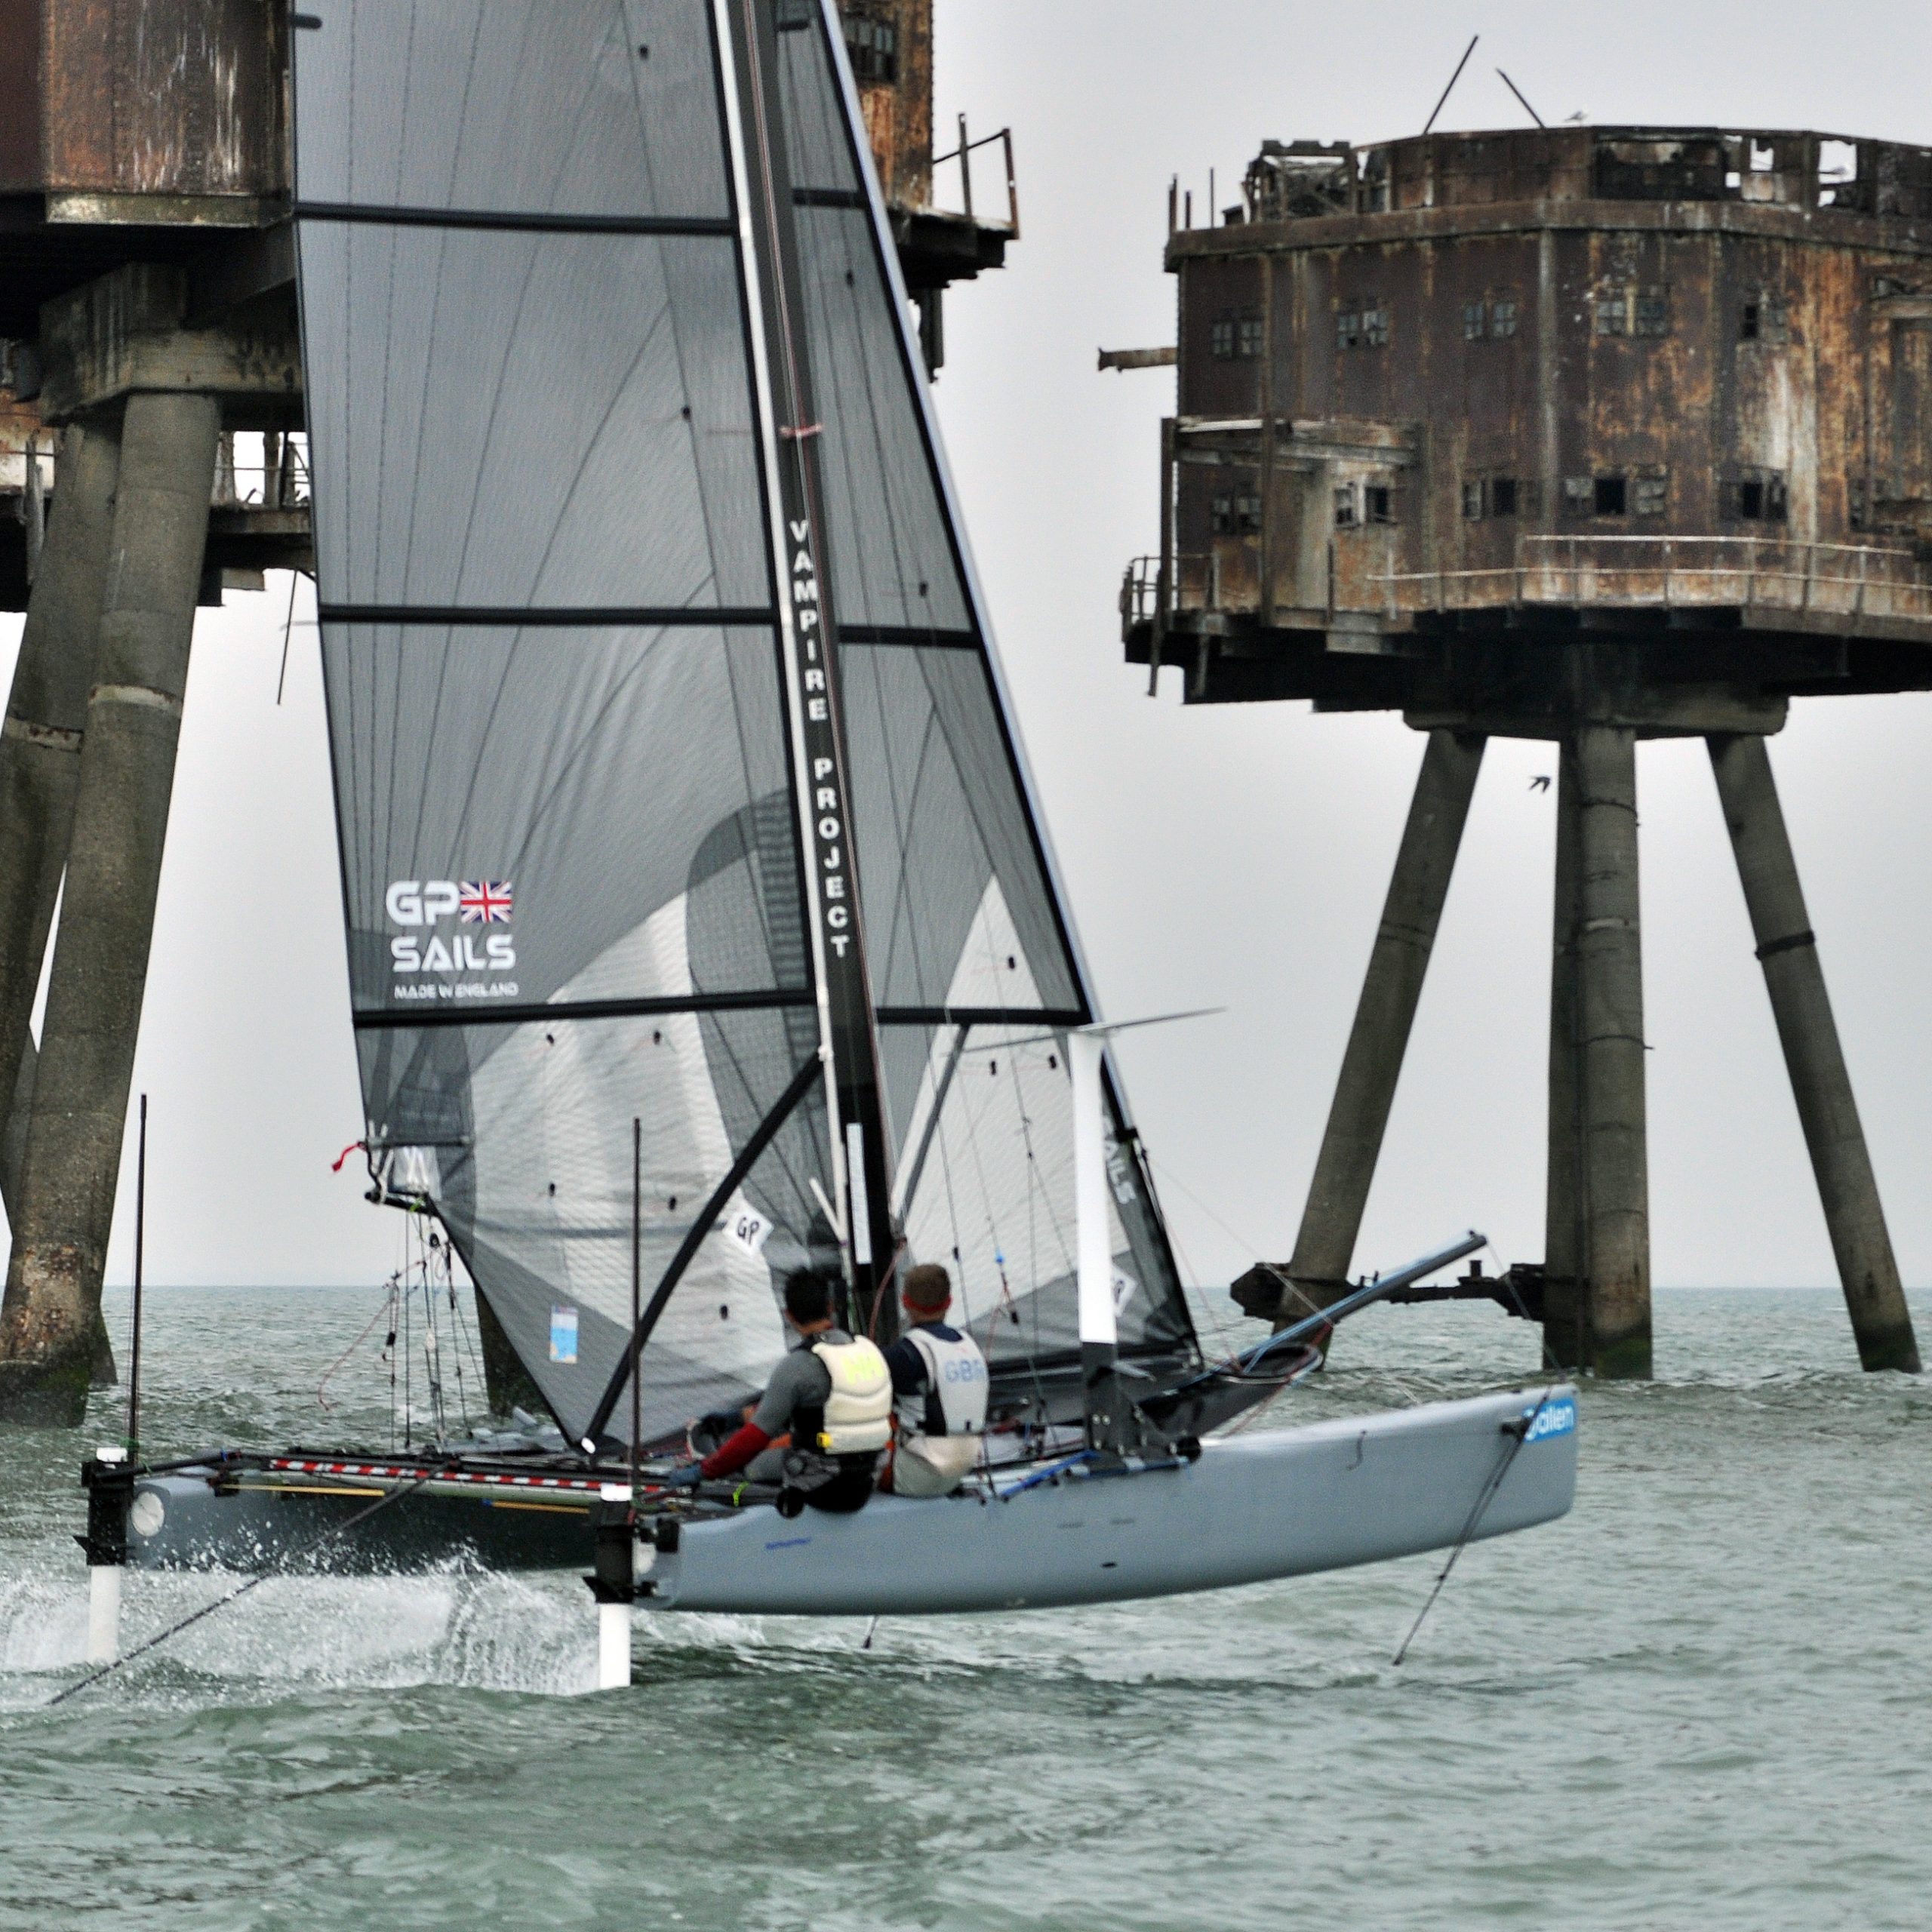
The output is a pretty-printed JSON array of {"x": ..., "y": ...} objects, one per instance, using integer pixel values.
[
  {"x": 858, "y": 1413},
  {"x": 955, "y": 1376},
  {"x": 928, "y": 1464}
]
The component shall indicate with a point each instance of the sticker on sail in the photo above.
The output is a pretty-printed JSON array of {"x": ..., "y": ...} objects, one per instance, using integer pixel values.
[
  {"x": 438, "y": 965},
  {"x": 745, "y": 1225},
  {"x": 563, "y": 1334},
  {"x": 1552, "y": 1418},
  {"x": 1125, "y": 1288}
]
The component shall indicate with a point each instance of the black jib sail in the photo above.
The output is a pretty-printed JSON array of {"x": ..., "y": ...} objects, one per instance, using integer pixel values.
[{"x": 604, "y": 440}]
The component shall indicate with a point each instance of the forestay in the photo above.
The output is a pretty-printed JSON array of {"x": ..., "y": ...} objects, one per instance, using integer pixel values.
[{"x": 572, "y": 870}]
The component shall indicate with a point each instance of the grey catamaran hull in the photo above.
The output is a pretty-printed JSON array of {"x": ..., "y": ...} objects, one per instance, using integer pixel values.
[
  {"x": 1272, "y": 1503},
  {"x": 1279, "y": 1503}
]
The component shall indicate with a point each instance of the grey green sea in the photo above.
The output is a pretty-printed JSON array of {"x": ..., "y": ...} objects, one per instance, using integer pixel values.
[{"x": 1698, "y": 1702}]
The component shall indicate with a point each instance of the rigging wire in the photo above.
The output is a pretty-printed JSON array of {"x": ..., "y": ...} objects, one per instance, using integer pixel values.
[
  {"x": 1511, "y": 1449},
  {"x": 381, "y": 1308}
]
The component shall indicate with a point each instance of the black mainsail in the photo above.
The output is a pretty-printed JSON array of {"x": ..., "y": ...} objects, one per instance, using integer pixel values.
[{"x": 675, "y": 780}]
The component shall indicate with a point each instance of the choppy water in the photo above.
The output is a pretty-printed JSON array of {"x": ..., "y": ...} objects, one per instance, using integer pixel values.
[{"x": 1698, "y": 1702}]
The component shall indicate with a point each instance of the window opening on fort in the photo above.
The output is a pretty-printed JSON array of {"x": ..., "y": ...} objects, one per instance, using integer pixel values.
[
  {"x": 1235, "y": 338},
  {"x": 1837, "y": 168},
  {"x": 1649, "y": 496},
  {"x": 1761, "y": 496},
  {"x": 1491, "y": 495},
  {"x": 1634, "y": 310},
  {"x": 1363, "y": 326},
  {"x": 1494, "y": 320},
  {"x": 1345, "y": 518},
  {"x": 1236, "y": 515},
  {"x": 873, "y": 45},
  {"x": 1378, "y": 503},
  {"x": 1764, "y": 319},
  {"x": 1610, "y": 496}
]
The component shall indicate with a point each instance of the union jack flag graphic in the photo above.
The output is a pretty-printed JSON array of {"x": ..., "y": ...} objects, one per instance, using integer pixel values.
[{"x": 485, "y": 903}]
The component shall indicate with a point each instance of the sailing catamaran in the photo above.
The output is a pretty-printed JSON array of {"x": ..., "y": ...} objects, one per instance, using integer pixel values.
[{"x": 677, "y": 786}]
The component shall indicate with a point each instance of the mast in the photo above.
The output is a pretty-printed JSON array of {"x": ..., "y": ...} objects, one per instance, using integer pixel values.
[{"x": 789, "y": 429}]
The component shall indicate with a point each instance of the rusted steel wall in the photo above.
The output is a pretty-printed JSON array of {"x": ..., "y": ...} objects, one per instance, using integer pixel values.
[
  {"x": 897, "y": 97},
  {"x": 19, "y": 95},
  {"x": 163, "y": 96},
  {"x": 1548, "y": 363}
]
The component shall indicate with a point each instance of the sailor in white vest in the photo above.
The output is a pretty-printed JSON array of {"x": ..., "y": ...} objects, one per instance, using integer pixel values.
[
  {"x": 825, "y": 1415},
  {"x": 939, "y": 1392}
]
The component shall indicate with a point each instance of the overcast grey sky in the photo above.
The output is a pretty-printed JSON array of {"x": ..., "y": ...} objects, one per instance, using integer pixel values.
[{"x": 1233, "y": 856}]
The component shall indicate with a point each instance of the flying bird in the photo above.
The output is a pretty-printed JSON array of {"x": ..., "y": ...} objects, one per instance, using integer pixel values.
[{"x": 1540, "y": 783}]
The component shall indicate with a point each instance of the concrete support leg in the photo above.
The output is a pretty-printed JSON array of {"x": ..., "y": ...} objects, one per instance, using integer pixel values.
[
  {"x": 1372, "y": 1063},
  {"x": 1796, "y": 981},
  {"x": 1563, "y": 1228},
  {"x": 40, "y": 761},
  {"x": 40, "y": 744},
  {"x": 1616, "y": 1271},
  {"x": 12, "y": 1158},
  {"x": 127, "y": 773}
]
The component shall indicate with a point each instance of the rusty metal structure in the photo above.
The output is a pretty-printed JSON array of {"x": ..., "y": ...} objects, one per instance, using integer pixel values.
[
  {"x": 152, "y": 412},
  {"x": 890, "y": 45},
  {"x": 1588, "y": 435}
]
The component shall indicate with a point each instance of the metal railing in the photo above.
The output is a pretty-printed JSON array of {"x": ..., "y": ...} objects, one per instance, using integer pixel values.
[
  {"x": 962, "y": 154},
  {"x": 1148, "y": 592},
  {"x": 279, "y": 481},
  {"x": 1678, "y": 573}
]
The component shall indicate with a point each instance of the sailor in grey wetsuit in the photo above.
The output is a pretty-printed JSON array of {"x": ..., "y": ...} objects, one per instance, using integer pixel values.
[{"x": 832, "y": 1395}]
